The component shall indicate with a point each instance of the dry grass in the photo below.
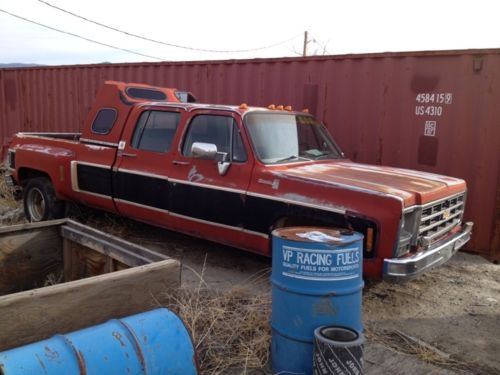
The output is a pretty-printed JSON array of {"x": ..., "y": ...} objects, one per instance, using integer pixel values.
[
  {"x": 10, "y": 209},
  {"x": 403, "y": 343},
  {"x": 106, "y": 222},
  {"x": 230, "y": 329},
  {"x": 54, "y": 278}
]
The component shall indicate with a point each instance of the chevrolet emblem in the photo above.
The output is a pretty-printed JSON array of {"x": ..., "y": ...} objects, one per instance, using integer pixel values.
[{"x": 446, "y": 214}]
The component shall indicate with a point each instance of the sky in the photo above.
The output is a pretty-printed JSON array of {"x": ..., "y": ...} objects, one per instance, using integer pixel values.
[{"x": 334, "y": 27}]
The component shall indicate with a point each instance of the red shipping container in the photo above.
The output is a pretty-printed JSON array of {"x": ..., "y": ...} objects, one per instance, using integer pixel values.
[{"x": 432, "y": 111}]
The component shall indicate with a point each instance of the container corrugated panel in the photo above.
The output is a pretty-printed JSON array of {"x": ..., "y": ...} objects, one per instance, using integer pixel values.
[{"x": 432, "y": 111}]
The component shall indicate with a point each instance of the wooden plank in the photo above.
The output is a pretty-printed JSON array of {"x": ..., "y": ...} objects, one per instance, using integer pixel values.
[
  {"x": 125, "y": 246},
  {"x": 27, "y": 255},
  {"x": 103, "y": 246},
  {"x": 40, "y": 313},
  {"x": 10, "y": 229}
]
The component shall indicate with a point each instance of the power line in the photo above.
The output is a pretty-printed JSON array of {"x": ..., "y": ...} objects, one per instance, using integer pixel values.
[
  {"x": 165, "y": 43},
  {"x": 79, "y": 36}
]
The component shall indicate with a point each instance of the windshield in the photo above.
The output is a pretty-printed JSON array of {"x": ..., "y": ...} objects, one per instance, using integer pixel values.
[{"x": 280, "y": 138}]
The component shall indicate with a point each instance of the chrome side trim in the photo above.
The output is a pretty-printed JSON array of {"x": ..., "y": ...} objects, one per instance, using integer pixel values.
[
  {"x": 131, "y": 171},
  {"x": 401, "y": 269},
  {"x": 291, "y": 201},
  {"x": 219, "y": 225},
  {"x": 124, "y": 201},
  {"x": 231, "y": 190},
  {"x": 91, "y": 164},
  {"x": 101, "y": 143}
]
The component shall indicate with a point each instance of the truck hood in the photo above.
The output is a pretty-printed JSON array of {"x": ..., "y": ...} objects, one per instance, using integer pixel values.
[{"x": 413, "y": 187}]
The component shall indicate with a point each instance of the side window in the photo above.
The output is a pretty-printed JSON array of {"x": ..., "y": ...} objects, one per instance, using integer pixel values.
[
  {"x": 104, "y": 121},
  {"x": 219, "y": 130},
  {"x": 155, "y": 131}
]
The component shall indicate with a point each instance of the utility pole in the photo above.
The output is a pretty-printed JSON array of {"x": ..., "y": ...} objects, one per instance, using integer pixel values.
[{"x": 304, "y": 53}]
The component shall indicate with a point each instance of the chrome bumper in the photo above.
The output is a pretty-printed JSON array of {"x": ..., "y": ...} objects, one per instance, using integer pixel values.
[{"x": 401, "y": 269}]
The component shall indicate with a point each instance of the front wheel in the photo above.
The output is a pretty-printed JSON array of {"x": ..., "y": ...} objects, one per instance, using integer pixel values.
[{"x": 40, "y": 202}]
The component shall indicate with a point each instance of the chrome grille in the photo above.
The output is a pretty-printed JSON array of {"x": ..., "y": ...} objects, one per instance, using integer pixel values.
[{"x": 440, "y": 217}]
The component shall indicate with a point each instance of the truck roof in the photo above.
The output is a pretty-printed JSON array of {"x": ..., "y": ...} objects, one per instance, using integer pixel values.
[{"x": 241, "y": 109}]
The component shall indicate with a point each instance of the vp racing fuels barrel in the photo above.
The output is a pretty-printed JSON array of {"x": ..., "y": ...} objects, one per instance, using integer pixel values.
[{"x": 316, "y": 281}]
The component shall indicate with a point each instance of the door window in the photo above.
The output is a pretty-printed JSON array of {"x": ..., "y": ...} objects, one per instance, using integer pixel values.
[
  {"x": 155, "y": 131},
  {"x": 219, "y": 130}
]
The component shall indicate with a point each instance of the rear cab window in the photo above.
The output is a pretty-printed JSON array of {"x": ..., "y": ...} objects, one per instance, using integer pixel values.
[
  {"x": 155, "y": 131},
  {"x": 220, "y": 130},
  {"x": 104, "y": 121}
]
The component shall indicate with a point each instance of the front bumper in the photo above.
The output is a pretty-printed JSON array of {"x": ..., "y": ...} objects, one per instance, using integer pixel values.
[{"x": 400, "y": 269}]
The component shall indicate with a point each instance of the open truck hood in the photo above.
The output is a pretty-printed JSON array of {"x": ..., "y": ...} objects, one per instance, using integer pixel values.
[{"x": 413, "y": 187}]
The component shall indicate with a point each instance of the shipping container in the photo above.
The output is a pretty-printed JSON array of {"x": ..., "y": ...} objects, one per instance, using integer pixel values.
[{"x": 434, "y": 111}]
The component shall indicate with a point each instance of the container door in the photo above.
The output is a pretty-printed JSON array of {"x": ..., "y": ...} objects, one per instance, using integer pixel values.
[{"x": 208, "y": 195}]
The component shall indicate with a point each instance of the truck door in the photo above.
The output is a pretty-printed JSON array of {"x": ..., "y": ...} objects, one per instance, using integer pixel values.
[
  {"x": 141, "y": 186},
  {"x": 205, "y": 201}
]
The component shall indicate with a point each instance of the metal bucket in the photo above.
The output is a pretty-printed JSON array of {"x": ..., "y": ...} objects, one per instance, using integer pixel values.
[
  {"x": 316, "y": 281},
  {"x": 154, "y": 342}
]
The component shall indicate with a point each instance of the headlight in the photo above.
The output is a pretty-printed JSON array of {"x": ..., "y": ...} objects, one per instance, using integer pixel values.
[{"x": 407, "y": 232}]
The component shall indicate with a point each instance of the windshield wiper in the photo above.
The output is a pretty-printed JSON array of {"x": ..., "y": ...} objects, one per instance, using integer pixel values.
[
  {"x": 326, "y": 155},
  {"x": 291, "y": 157}
]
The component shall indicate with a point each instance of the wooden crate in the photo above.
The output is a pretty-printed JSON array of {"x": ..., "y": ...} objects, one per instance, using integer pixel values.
[{"x": 104, "y": 277}]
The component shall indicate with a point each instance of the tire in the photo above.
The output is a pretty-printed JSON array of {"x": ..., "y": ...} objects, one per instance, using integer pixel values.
[{"x": 40, "y": 202}]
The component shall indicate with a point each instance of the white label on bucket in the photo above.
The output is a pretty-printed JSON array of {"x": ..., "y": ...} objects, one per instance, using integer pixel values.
[
  {"x": 318, "y": 236},
  {"x": 321, "y": 265}
]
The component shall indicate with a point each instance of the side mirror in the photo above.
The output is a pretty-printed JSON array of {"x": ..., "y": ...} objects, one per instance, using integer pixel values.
[
  {"x": 208, "y": 151},
  {"x": 201, "y": 150}
]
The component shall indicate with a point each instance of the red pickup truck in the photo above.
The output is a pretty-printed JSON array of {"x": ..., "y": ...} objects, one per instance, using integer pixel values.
[{"x": 232, "y": 174}]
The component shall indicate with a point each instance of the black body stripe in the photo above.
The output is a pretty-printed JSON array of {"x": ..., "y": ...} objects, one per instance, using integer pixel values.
[
  {"x": 203, "y": 203},
  {"x": 257, "y": 214},
  {"x": 94, "y": 179},
  {"x": 145, "y": 190}
]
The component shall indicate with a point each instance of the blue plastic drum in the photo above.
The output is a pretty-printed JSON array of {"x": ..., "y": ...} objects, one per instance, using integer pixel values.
[
  {"x": 316, "y": 280},
  {"x": 154, "y": 342}
]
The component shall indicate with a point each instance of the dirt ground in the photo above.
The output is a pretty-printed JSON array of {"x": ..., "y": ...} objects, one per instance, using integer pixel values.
[{"x": 444, "y": 322}]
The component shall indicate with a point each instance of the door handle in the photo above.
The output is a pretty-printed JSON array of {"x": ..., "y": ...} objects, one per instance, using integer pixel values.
[
  {"x": 129, "y": 155},
  {"x": 178, "y": 162}
]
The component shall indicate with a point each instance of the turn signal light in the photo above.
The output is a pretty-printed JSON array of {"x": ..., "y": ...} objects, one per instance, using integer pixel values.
[{"x": 369, "y": 240}]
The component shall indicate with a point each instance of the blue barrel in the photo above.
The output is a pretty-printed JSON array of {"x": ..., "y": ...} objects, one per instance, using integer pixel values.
[
  {"x": 316, "y": 281},
  {"x": 154, "y": 342}
]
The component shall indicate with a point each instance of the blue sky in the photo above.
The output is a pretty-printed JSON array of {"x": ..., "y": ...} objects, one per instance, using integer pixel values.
[{"x": 335, "y": 27}]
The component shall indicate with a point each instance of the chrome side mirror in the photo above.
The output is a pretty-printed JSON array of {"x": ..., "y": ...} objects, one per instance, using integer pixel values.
[
  {"x": 208, "y": 151},
  {"x": 201, "y": 150}
]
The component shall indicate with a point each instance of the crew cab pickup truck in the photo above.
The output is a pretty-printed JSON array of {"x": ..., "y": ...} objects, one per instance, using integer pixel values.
[{"x": 232, "y": 174}]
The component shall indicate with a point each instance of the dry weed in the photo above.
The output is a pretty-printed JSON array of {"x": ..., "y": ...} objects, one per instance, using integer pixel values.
[
  {"x": 11, "y": 211},
  {"x": 230, "y": 329},
  {"x": 403, "y": 343},
  {"x": 54, "y": 278}
]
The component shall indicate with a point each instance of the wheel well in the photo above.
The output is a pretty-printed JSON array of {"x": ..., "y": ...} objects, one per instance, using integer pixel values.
[{"x": 25, "y": 174}]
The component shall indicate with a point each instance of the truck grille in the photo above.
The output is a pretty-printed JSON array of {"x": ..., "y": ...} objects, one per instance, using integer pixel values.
[{"x": 440, "y": 217}]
